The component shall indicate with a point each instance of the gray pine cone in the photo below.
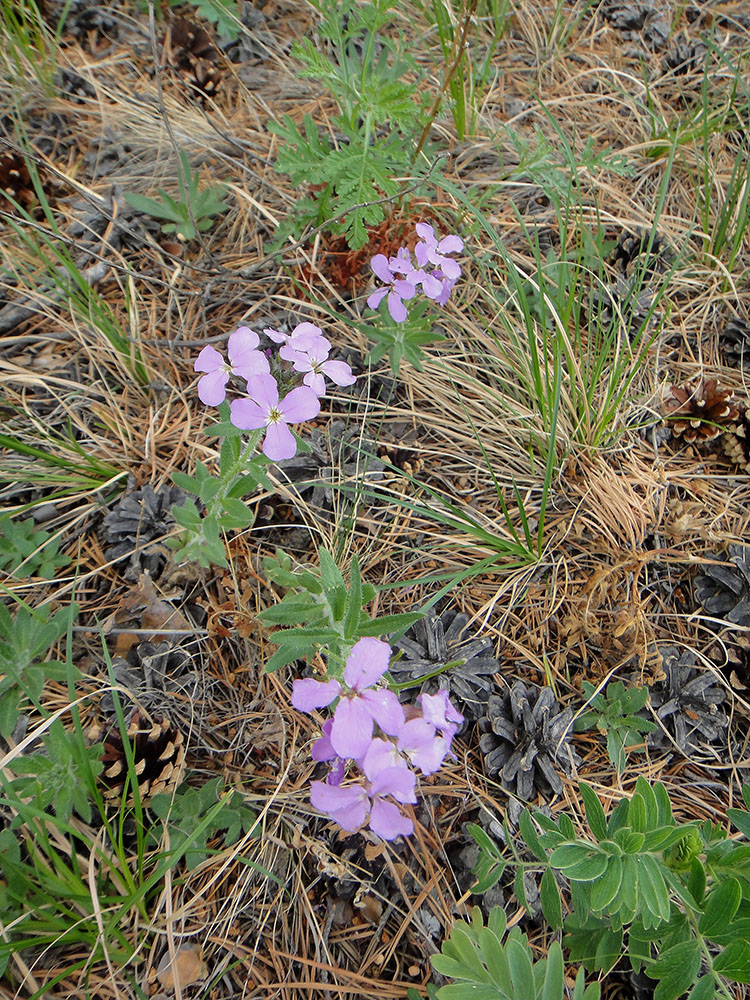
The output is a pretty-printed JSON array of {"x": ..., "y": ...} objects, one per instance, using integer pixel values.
[
  {"x": 687, "y": 703},
  {"x": 161, "y": 679},
  {"x": 135, "y": 524},
  {"x": 734, "y": 342},
  {"x": 724, "y": 591},
  {"x": 526, "y": 740},
  {"x": 437, "y": 640}
]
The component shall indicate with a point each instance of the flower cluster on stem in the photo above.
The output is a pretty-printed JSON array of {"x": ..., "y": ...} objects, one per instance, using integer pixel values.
[
  {"x": 262, "y": 409},
  {"x": 432, "y": 270},
  {"x": 372, "y": 733}
]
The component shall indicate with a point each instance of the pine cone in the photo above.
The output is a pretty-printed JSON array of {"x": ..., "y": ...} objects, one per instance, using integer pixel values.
[
  {"x": 735, "y": 442},
  {"x": 724, "y": 590},
  {"x": 440, "y": 639},
  {"x": 189, "y": 52},
  {"x": 734, "y": 342},
  {"x": 135, "y": 524},
  {"x": 15, "y": 181},
  {"x": 160, "y": 679},
  {"x": 526, "y": 738},
  {"x": 685, "y": 56},
  {"x": 158, "y": 755},
  {"x": 687, "y": 703},
  {"x": 632, "y": 254},
  {"x": 701, "y": 412}
]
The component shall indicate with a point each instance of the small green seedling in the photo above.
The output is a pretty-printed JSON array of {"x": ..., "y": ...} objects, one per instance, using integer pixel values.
[
  {"x": 616, "y": 715},
  {"x": 186, "y": 218}
]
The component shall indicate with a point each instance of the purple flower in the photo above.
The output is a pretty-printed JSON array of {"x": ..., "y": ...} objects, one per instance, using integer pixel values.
[
  {"x": 432, "y": 251},
  {"x": 263, "y": 409},
  {"x": 438, "y": 710},
  {"x": 313, "y": 360},
  {"x": 424, "y": 748},
  {"x": 299, "y": 338},
  {"x": 244, "y": 361},
  {"x": 347, "y": 805},
  {"x": 396, "y": 288},
  {"x": 360, "y": 707}
]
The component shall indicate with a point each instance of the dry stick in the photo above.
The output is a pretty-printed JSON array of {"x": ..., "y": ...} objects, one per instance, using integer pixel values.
[{"x": 461, "y": 46}]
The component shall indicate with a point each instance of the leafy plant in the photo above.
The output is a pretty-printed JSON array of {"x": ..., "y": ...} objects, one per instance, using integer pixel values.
[
  {"x": 615, "y": 714},
  {"x": 674, "y": 896},
  {"x": 487, "y": 967},
  {"x": 322, "y": 611},
  {"x": 26, "y": 550},
  {"x": 58, "y": 777},
  {"x": 24, "y": 640},
  {"x": 380, "y": 113},
  {"x": 402, "y": 340},
  {"x": 200, "y": 811},
  {"x": 190, "y": 216},
  {"x": 240, "y": 473},
  {"x": 224, "y": 14}
]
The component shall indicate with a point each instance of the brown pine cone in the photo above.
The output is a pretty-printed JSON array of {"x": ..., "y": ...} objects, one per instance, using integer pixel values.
[
  {"x": 15, "y": 180},
  {"x": 158, "y": 756},
  {"x": 189, "y": 51},
  {"x": 736, "y": 442},
  {"x": 700, "y": 412}
]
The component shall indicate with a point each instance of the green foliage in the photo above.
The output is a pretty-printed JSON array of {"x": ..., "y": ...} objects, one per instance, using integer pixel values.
[
  {"x": 239, "y": 474},
  {"x": 26, "y": 550},
  {"x": 615, "y": 715},
  {"x": 195, "y": 815},
  {"x": 24, "y": 640},
  {"x": 59, "y": 777},
  {"x": 190, "y": 216},
  {"x": 222, "y": 13},
  {"x": 380, "y": 114},
  {"x": 674, "y": 896},
  {"x": 402, "y": 340},
  {"x": 322, "y": 611},
  {"x": 490, "y": 965}
]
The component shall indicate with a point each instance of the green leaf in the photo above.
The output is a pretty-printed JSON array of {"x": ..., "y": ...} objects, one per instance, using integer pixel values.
[
  {"x": 554, "y": 977},
  {"x": 606, "y": 889},
  {"x": 594, "y": 811},
  {"x": 608, "y": 950},
  {"x": 652, "y": 887},
  {"x": 579, "y": 862},
  {"x": 704, "y": 989},
  {"x": 530, "y": 836},
  {"x": 353, "y": 609},
  {"x": 734, "y": 962},
  {"x": 521, "y": 972},
  {"x": 676, "y": 970},
  {"x": 740, "y": 818},
  {"x": 549, "y": 895},
  {"x": 721, "y": 905}
]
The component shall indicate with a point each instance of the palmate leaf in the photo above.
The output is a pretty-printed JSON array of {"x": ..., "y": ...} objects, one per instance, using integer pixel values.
[{"x": 676, "y": 970}]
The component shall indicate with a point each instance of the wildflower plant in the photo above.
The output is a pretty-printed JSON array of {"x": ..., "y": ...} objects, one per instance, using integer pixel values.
[
  {"x": 638, "y": 881},
  {"x": 431, "y": 276},
  {"x": 276, "y": 396}
]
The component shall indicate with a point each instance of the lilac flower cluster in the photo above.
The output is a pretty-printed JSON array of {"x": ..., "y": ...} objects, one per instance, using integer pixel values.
[
  {"x": 437, "y": 284},
  {"x": 305, "y": 348},
  {"x": 380, "y": 736}
]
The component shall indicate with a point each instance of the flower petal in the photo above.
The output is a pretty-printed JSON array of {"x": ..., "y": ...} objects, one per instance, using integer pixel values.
[
  {"x": 275, "y": 335},
  {"x": 241, "y": 341},
  {"x": 388, "y": 822},
  {"x": 279, "y": 442},
  {"x": 303, "y": 333},
  {"x": 309, "y": 694},
  {"x": 263, "y": 389},
  {"x": 385, "y": 708},
  {"x": 300, "y": 404},
  {"x": 404, "y": 288},
  {"x": 377, "y": 297},
  {"x": 247, "y": 415},
  {"x": 366, "y": 663},
  {"x": 351, "y": 733},
  {"x": 450, "y": 244},
  {"x": 316, "y": 382},
  {"x": 211, "y": 387},
  {"x": 348, "y": 805},
  {"x": 381, "y": 756},
  {"x": 426, "y": 233},
  {"x": 396, "y": 307},
  {"x": 339, "y": 372},
  {"x": 379, "y": 264},
  {"x": 209, "y": 360},
  {"x": 450, "y": 268},
  {"x": 396, "y": 781}
]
